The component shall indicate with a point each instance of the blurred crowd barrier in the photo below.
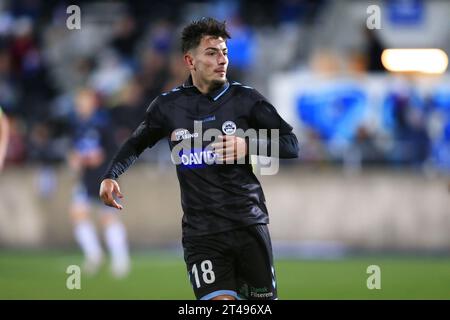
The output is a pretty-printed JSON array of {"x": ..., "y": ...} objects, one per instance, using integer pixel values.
[
  {"x": 374, "y": 210},
  {"x": 368, "y": 119}
]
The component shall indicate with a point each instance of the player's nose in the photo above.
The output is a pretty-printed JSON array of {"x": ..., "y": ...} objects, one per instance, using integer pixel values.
[{"x": 222, "y": 59}]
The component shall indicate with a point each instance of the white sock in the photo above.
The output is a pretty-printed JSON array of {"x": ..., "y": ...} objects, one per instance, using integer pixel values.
[
  {"x": 86, "y": 237},
  {"x": 116, "y": 240}
]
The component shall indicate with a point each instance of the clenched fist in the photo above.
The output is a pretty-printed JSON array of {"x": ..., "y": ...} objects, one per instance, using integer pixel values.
[{"x": 230, "y": 148}]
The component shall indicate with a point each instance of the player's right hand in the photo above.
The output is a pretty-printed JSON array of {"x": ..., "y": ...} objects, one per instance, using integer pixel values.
[{"x": 109, "y": 189}]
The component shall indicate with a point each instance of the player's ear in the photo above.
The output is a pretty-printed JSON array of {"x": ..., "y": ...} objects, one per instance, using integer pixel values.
[{"x": 189, "y": 60}]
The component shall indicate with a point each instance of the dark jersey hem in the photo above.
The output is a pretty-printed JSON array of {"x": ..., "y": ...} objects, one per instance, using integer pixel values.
[{"x": 236, "y": 227}]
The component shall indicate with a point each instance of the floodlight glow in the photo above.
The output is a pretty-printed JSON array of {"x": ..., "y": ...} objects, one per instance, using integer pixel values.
[{"x": 415, "y": 60}]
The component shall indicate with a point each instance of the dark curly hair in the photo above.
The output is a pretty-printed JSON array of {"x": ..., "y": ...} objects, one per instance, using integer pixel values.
[{"x": 192, "y": 34}]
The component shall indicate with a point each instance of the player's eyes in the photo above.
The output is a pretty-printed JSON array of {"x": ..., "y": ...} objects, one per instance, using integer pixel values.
[{"x": 212, "y": 53}]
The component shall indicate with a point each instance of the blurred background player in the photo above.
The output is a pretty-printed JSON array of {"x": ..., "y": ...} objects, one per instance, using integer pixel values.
[
  {"x": 4, "y": 133},
  {"x": 91, "y": 145}
]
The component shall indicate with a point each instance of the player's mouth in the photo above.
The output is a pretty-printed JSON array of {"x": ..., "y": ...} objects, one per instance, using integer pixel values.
[{"x": 220, "y": 71}]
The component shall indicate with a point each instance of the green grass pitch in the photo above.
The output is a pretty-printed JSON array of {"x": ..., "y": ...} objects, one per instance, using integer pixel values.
[{"x": 160, "y": 276}]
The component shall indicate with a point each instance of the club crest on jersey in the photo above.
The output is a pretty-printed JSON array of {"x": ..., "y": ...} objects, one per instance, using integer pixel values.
[{"x": 229, "y": 127}]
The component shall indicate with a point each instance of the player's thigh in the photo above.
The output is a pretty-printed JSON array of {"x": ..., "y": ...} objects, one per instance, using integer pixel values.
[
  {"x": 210, "y": 267},
  {"x": 80, "y": 205},
  {"x": 255, "y": 271}
]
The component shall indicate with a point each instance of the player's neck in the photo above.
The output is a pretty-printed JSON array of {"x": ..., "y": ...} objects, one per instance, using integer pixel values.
[{"x": 203, "y": 87}]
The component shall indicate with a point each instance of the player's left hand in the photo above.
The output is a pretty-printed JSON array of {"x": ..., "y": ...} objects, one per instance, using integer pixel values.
[
  {"x": 109, "y": 188},
  {"x": 230, "y": 148}
]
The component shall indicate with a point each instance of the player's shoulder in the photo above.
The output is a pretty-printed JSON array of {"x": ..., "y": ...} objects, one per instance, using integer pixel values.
[
  {"x": 165, "y": 98},
  {"x": 242, "y": 88},
  {"x": 171, "y": 94},
  {"x": 246, "y": 91}
]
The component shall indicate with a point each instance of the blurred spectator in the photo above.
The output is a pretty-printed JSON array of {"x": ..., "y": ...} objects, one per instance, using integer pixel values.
[
  {"x": 313, "y": 149},
  {"x": 130, "y": 111},
  {"x": 46, "y": 151},
  {"x": 153, "y": 73},
  {"x": 17, "y": 151},
  {"x": 28, "y": 8},
  {"x": 22, "y": 46},
  {"x": 411, "y": 141},
  {"x": 297, "y": 11},
  {"x": 83, "y": 69},
  {"x": 177, "y": 72},
  {"x": 30, "y": 71},
  {"x": 241, "y": 49},
  {"x": 154, "y": 56},
  {"x": 46, "y": 146},
  {"x": 366, "y": 148},
  {"x": 439, "y": 129},
  {"x": 161, "y": 37},
  {"x": 125, "y": 38},
  {"x": 111, "y": 74},
  {"x": 8, "y": 87}
]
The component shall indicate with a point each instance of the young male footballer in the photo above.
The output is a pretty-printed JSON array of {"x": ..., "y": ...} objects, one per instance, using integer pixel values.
[{"x": 226, "y": 242}]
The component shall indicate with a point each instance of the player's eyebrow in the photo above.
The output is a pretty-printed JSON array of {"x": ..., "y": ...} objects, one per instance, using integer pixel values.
[{"x": 215, "y": 49}]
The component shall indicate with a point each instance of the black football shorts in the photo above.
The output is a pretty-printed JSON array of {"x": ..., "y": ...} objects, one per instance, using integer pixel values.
[{"x": 238, "y": 263}]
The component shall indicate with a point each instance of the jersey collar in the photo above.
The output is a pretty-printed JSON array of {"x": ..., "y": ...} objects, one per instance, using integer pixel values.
[{"x": 214, "y": 95}]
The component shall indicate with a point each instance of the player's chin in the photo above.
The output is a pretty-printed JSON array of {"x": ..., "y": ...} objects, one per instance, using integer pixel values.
[{"x": 219, "y": 80}]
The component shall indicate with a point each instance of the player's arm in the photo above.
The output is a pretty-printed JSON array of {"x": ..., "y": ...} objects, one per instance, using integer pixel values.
[
  {"x": 263, "y": 115},
  {"x": 4, "y": 136},
  {"x": 148, "y": 133}
]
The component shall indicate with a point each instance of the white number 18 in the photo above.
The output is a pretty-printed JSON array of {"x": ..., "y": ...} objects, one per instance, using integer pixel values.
[{"x": 207, "y": 273}]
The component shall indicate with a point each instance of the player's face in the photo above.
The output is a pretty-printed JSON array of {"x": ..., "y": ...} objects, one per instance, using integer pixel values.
[
  {"x": 210, "y": 61},
  {"x": 86, "y": 103}
]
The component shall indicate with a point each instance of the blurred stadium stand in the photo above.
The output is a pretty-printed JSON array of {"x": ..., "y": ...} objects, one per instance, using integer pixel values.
[{"x": 375, "y": 146}]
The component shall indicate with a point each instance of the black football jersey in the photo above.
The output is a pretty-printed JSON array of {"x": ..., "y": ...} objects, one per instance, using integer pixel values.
[{"x": 215, "y": 196}]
